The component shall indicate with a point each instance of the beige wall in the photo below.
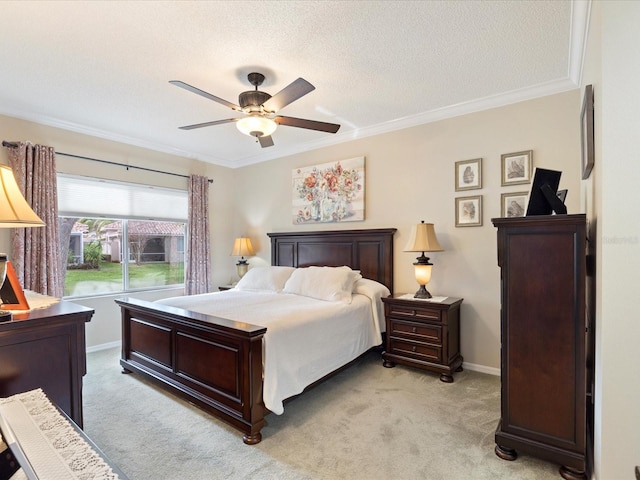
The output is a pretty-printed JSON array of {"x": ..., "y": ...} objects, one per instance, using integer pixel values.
[
  {"x": 105, "y": 325},
  {"x": 613, "y": 67},
  {"x": 410, "y": 177}
]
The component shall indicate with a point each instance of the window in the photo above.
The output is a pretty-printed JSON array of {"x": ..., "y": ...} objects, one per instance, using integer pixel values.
[{"x": 120, "y": 236}]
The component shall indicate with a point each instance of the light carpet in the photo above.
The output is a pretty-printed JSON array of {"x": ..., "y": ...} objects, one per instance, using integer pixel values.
[{"x": 367, "y": 422}]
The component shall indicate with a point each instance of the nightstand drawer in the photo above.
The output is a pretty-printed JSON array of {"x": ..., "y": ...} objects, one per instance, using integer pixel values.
[
  {"x": 420, "y": 332},
  {"x": 423, "y": 334},
  {"x": 416, "y": 350},
  {"x": 417, "y": 313}
]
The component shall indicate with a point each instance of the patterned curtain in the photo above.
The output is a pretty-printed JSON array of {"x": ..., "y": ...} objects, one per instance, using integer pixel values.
[
  {"x": 198, "y": 261},
  {"x": 36, "y": 251}
]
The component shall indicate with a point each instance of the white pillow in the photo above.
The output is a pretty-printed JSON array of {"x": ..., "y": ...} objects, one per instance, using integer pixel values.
[
  {"x": 371, "y": 289},
  {"x": 333, "y": 284},
  {"x": 265, "y": 278}
]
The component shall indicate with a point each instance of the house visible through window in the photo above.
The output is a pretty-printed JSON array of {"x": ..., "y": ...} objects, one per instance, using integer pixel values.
[{"x": 121, "y": 252}]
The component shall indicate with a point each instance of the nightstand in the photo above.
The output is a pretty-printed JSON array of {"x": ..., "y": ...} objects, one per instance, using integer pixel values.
[
  {"x": 423, "y": 334},
  {"x": 222, "y": 288}
]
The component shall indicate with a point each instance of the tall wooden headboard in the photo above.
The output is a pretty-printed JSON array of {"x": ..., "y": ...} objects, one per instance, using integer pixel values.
[{"x": 370, "y": 251}]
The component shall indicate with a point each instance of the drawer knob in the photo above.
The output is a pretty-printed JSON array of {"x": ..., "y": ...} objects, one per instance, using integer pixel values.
[
  {"x": 413, "y": 349},
  {"x": 413, "y": 312},
  {"x": 414, "y": 330}
]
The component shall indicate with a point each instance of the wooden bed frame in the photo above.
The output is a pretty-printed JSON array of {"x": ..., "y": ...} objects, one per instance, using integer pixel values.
[{"x": 216, "y": 363}]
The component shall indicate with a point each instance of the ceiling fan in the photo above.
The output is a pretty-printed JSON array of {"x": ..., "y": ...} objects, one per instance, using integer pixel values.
[{"x": 260, "y": 108}]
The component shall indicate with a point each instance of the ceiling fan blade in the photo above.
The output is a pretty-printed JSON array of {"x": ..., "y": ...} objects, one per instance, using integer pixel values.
[
  {"x": 204, "y": 94},
  {"x": 288, "y": 94},
  {"x": 266, "y": 141},
  {"x": 208, "y": 124},
  {"x": 308, "y": 124}
]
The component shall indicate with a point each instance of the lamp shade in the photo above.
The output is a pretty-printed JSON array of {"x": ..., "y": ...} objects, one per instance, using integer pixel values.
[
  {"x": 256, "y": 126},
  {"x": 423, "y": 239},
  {"x": 242, "y": 247},
  {"x": 15, "y": 212}
]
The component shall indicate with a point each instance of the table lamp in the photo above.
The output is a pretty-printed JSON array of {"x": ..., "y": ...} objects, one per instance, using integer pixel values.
[
  {"x": 242, "y": 247},
  {"x": 423, "y": 239},
  {"x": 15, "y": 212}
]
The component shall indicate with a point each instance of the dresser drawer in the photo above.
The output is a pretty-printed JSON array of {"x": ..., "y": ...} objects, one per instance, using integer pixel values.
[
  {"x": 416, "y": 313},
  {"x": 420, "y": 332},
  {"x": 419, "y": 351}
]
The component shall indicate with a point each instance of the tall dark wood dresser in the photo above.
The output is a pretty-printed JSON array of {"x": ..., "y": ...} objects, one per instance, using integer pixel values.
[
  {"x": 545, "y": 359},
  {"x": 45, "y": 348}
]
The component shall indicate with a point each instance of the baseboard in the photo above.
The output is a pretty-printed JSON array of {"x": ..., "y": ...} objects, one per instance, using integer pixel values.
[
  {"x": 104, "y": 346},
  {"x": 481, "y": 368}
]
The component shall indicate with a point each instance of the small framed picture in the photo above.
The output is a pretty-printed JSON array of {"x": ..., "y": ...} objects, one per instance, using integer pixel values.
[
  {"x": 469, "y": 174},
  {"x": 517, "y": 167},
  {"x": 586, "y": 130},
  {"x": 514, "y": 204},
  {"x": 469, "y": 211}
]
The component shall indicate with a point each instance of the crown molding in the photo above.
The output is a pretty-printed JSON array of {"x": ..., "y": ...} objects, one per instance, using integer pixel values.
[
  {"x": 114, "y": 137},
  {"x": 464, "y": 108}
]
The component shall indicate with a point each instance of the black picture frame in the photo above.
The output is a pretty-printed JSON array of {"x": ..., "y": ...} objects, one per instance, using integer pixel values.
[
  {"x": 586, "y": 131},
  {"x": 541, "y": 202}
]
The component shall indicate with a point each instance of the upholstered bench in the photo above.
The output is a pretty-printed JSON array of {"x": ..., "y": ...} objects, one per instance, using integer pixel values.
[{"x": 46, "y": 444}]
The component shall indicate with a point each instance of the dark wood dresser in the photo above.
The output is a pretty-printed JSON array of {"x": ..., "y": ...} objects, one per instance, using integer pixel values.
[
  {"x": 423, "y": 334},
  {"x": 545, "y": 364},
  {"x": 45, "y": 348}
]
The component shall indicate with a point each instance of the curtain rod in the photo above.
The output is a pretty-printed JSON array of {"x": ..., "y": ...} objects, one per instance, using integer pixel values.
[{"x": 15, "y": 145}]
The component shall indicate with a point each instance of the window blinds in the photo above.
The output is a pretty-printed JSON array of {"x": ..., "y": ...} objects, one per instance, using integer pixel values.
[{"x": 99, "y": 198}]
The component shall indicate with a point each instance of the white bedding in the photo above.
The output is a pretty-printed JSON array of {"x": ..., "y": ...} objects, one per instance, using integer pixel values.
[{"x": 306, "y": 338}]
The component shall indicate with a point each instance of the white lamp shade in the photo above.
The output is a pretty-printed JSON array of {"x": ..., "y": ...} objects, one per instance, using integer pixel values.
[
  {"x": 256, "y": 126},
  {"x": 242, "y": 247},
  {"x": 423, "y": 239},
  {"x": 423, "y": 274},
  {"x": 15, "y": 212}
]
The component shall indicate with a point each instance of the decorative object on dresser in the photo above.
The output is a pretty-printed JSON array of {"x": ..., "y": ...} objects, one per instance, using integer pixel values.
[
  {"x": 11, "y": 293},
  {"x": 423, "y": 239},
  {"x": 546, "y": 357},
  {"x": 15, "y": 212},
  {"x": 45, "y": 348},
  {"x": 543, "y": 198},
  {"x": 423, "y": 334},
  {"x": 242, "y": 247}
]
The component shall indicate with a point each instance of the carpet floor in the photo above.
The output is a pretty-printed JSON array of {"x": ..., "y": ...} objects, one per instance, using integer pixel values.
[{"x": 368, "y": 422}]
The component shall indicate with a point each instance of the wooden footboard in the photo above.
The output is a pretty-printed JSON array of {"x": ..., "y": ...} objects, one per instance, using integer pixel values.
[{"x": 212, "y": 362}]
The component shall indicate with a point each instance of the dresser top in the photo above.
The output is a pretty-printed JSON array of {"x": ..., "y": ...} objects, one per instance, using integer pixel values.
[{"x": 404, "y": 297}]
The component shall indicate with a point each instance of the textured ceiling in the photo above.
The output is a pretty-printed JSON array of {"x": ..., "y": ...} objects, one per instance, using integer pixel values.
[{"x": 102, "y": 68}]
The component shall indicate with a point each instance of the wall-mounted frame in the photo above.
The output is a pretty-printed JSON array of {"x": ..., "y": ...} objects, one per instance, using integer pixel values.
[
  {"x": 514, "y": 204},
  {"x": 329, "y": 193},
  {"x": 469, "y": 174},
  {"x": 11, "y": 292},
  {"x": 469, "y": 211},
  {"x": 517, "y": 167},
  {"x": 586, "y": 131}
]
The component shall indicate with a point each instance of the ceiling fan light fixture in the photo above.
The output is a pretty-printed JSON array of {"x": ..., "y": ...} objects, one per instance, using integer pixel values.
[{"x": 256, "y": 126}]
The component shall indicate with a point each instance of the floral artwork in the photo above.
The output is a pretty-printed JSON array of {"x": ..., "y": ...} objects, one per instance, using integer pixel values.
[{"x": 329, "y": 193}]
